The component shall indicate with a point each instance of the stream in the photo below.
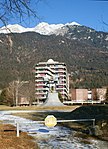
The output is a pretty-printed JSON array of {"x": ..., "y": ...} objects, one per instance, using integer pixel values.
[{"x": 58, "y": 137}]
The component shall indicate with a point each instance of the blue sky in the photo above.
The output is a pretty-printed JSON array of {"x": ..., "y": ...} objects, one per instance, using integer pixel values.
[
  {"x": 90, "y": 13},
  {"x": 86, "y": 12}
]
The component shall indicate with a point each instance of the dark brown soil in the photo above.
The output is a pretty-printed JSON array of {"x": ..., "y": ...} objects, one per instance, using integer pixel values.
[{"x": 9, "y": 140}]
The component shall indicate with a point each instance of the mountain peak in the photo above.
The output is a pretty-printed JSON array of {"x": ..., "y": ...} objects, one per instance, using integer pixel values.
[
  {"x": 73, "y": 23},
  {"x": 42, "y": 28},
  {"x": 15, "y": 28},
  {"x": 47, "y": 29}
]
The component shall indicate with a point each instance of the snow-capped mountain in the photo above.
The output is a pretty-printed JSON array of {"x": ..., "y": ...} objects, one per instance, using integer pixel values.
[
  {"x": 12, "y": 28},
  {"x": 83, "y": 49},
  {"x": 46, "y": 29},
  {"x": 42, "y": 28}
]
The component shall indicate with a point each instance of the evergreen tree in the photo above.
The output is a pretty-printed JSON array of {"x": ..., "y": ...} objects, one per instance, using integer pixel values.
[{"x": 3, "y": 98}]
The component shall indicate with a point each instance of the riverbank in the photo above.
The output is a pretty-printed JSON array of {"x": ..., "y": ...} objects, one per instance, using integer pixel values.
[
  {"x": 97, "y": 112},
  {"x": 9, "y": 140}
]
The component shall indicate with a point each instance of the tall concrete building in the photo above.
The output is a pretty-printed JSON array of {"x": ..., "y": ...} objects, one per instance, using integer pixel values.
[{"x": 54, "y": 72}]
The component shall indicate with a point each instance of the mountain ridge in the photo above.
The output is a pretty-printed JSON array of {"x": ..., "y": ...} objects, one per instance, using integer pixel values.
[{"x": 42, "y": 28}]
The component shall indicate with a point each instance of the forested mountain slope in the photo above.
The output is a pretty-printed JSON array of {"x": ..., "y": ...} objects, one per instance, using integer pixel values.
[{"x": 19, "y": 52}]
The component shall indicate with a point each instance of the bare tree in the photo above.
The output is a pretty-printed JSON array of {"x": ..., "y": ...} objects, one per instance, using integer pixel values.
[
  {"x": 19, "y": 9},
  {"x": 28, "y": 91},
  {"x": 12, "y": 91}
]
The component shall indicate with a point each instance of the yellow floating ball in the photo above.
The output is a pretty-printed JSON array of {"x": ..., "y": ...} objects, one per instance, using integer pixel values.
[{"x": 50, "y": 121}]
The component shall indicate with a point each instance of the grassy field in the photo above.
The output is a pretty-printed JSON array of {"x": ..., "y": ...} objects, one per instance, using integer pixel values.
[{"x": 39, "y": 108}]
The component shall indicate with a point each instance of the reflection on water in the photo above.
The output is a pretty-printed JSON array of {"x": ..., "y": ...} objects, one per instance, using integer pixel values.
[{"x": 58, "y": 137}]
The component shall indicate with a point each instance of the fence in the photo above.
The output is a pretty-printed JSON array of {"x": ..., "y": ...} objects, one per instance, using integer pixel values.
[
  {"x": 50, "y": 120},
  {"x": 75, "y": 102}
]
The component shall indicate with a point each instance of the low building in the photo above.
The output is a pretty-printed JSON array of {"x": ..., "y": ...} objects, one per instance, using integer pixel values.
[
  {"x": 97, "y": 94},
  {"x": 79, "y": 94},
  {"x": 23, "y": 101}
]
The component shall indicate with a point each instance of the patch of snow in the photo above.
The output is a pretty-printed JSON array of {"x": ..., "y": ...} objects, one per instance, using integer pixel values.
[
  {"x": 106, "y": 38},
  {"x": 74, "y": 38},
  {"x": 89, "y": 37},
  {"x": 1, "y": 41},
  {"x": 62, "y": 41},
  {"x": 73, "y": 23},
  {"x": 98, "y": 37}
]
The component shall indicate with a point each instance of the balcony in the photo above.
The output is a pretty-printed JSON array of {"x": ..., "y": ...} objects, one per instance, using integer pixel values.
[
  {"x": 38, "y": 80},
  {"x": 41, "y": 94}
]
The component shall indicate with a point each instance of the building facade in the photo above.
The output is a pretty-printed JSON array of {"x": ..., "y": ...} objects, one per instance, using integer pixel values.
[
  {"x": 79, "y": 94},
  {"x": 97, "y": 94},
  {"x": 51, "y": 75}
]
